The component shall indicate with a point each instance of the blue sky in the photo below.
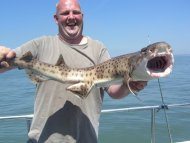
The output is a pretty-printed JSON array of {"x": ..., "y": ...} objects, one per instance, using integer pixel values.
[{"x": 122, "y": 25}]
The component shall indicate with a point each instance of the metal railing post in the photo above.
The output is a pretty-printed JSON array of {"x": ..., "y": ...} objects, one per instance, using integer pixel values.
[
  {"x": 153, "y": 137},
  {"x": 28, "y": 122}
]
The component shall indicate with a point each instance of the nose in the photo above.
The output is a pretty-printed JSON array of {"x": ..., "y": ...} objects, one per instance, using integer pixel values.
[{"x": 71, "y": 15}]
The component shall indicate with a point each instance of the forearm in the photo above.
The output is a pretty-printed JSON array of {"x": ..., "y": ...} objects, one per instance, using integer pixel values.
[{"x": 120, "y": 91}]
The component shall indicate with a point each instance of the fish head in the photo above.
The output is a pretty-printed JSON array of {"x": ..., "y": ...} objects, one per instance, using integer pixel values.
[{"x": 154, "y": 61}]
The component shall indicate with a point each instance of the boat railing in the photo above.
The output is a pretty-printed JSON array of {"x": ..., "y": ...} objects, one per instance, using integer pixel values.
[{"x": 152, "y": 109}]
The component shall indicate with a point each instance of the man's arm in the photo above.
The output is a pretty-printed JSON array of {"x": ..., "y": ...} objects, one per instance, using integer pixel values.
[
  {"x": 5, "y": 54},
  {"x": 120, "y": 91}
]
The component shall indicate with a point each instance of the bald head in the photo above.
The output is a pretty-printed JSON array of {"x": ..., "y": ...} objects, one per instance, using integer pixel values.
[{"x": 67, "y": 3}]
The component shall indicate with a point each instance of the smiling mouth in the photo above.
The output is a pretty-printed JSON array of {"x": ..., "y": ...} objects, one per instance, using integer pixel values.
[{"x": 71, "y": 24}]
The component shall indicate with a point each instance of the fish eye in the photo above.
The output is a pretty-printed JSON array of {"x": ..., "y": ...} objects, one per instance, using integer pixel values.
[{"x": 143, "y": 50}]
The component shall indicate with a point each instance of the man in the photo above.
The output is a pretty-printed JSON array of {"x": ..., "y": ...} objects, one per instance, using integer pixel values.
[{"x": 59, "y": 116}]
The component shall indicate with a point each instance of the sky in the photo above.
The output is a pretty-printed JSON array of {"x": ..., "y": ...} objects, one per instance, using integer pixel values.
[{"x": 124, "y": 26}]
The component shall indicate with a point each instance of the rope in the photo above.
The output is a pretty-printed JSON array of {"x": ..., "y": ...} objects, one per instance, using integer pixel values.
[{"x": 164, "y": 106}]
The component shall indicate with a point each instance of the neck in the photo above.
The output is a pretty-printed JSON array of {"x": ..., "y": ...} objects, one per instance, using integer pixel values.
[{"x": 71, "y": 41}]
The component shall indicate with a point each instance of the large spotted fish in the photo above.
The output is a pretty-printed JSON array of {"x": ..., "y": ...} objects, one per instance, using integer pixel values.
[{"x": 153, "y": 61}]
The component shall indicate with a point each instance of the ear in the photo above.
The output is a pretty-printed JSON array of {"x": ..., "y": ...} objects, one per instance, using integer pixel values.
[{"x": 55, "y": 18}]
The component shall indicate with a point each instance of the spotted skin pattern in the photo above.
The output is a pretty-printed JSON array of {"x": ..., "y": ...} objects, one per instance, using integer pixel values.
[{"x": 154, "y": 61}]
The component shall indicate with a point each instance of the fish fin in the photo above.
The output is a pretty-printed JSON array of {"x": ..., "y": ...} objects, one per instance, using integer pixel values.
[
  {"x": 27, "y": 57},
  {"x": 61, "y": 62},
  {"x": 81, "y": 89},
  {"x": 36, "y": 78}
]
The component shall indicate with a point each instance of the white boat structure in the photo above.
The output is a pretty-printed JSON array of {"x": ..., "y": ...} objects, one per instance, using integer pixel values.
[{"x": 152, "y": 109}]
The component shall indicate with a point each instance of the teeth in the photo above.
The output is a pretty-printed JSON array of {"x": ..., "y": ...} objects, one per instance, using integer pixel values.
[{"x": 71, "y": 24}]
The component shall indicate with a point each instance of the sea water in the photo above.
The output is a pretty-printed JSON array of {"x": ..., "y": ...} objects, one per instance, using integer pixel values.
[{"x": 17, "y": 98}]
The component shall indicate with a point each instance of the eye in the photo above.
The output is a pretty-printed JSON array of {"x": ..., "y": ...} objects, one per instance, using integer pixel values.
[
  {"x": 74, "y": 12},
  {"x": 77, "y": 12},
  {"x": 65, "y": 13},
  {"x": 143, "y": 50}
]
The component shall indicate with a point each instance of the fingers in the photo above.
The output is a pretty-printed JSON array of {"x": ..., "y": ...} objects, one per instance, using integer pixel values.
[
  {"x": 137, "y": 85},
  {"x": 4, "y": 64},
  {"x": 11, "y": 54},
  {"x": 6, "y": 53}
]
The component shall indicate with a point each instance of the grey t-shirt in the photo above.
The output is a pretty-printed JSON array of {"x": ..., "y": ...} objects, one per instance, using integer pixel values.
[{"x": 59, "y": 116}]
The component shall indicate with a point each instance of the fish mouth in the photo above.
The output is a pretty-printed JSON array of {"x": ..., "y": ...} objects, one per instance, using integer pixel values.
[{"x": 160, "y": 66}]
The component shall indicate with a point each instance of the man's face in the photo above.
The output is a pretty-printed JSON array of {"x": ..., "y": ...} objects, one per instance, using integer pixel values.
[{"x": 69, "y": 19}]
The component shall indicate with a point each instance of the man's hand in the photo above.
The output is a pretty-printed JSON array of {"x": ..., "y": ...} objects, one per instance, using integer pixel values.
[
  {"x": 120, "y": 91},
  {"x": 5, "y": 54},
  {"x": 137, "y": 85}
]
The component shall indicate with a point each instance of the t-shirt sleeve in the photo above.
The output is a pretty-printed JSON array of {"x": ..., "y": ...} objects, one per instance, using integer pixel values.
[
  {"x": 104, "y": 54},
  {"x": 31, "y": 46}
]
